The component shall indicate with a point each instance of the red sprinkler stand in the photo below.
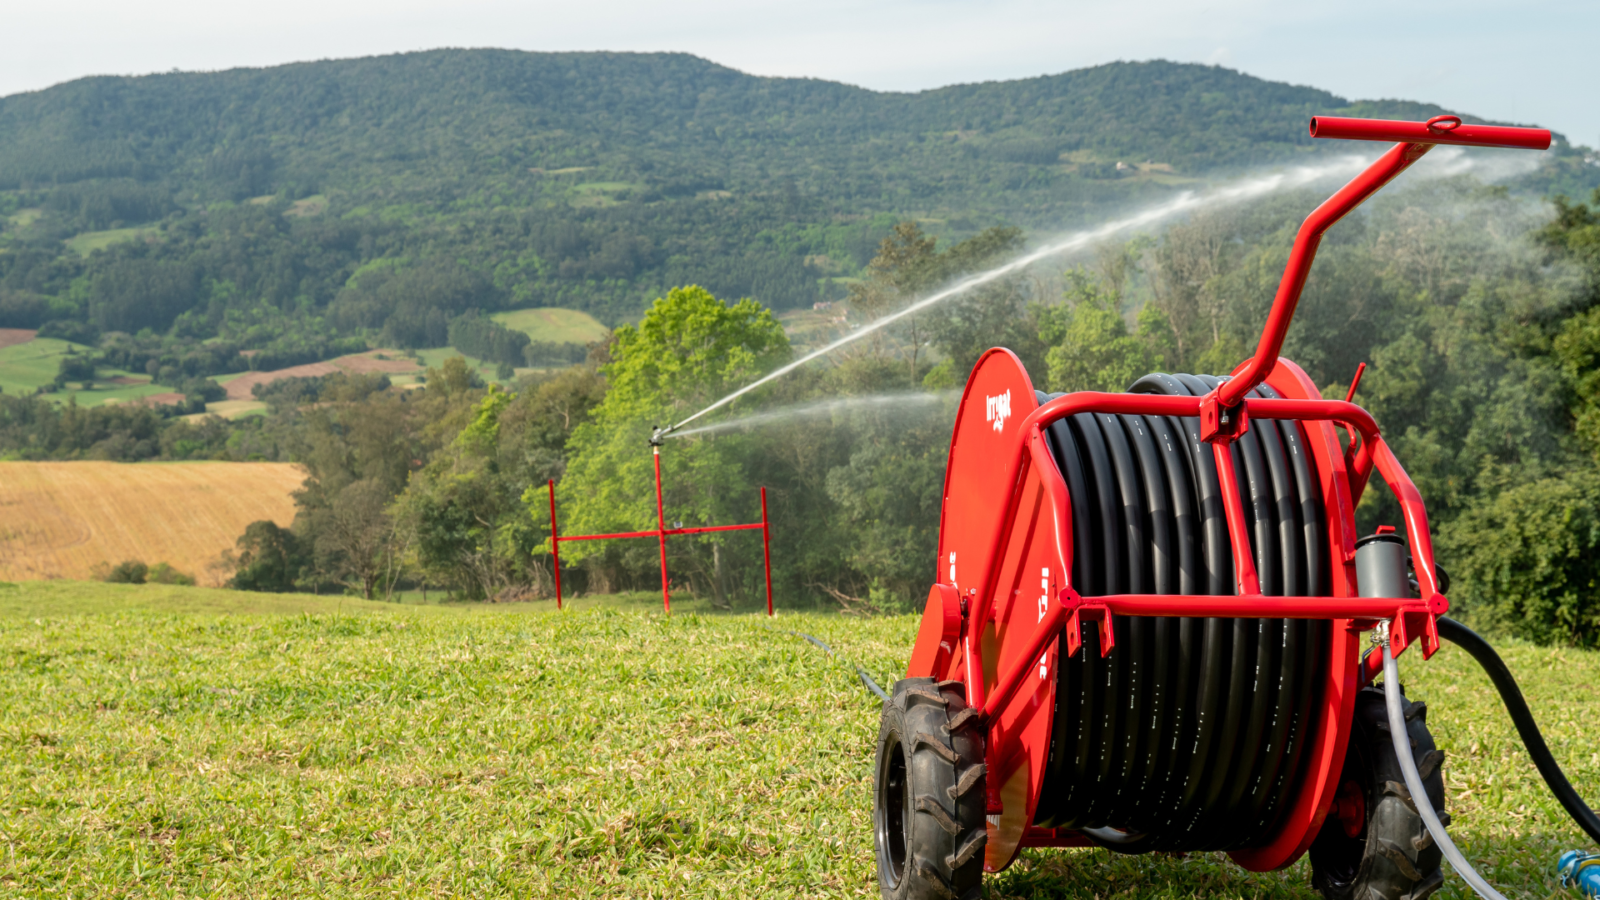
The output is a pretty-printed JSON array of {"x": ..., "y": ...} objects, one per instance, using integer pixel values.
[{"x": 660, "y": 534}]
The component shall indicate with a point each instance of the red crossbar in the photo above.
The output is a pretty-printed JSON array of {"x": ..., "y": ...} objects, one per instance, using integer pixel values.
[
  {"x": 661, "y": 532},
  {"x": 1251, "y": 603}
]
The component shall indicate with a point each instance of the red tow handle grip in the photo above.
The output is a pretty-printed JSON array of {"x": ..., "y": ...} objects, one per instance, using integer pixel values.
[{"x": 1437, "y": 130}]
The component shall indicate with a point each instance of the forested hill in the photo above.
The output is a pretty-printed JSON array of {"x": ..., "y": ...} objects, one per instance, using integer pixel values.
[
  {"x": 381, "y": 196},
  {"x": 665, "y": 121}
]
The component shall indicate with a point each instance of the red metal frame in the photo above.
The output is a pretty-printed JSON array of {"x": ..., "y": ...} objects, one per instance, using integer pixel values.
[
  {"x": 1006, "y": 504},
  {"x": 660, "y": 533}
]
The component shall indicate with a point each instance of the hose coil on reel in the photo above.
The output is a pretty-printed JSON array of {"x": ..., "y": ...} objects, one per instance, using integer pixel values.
[{"x": 1190, "y": 736}]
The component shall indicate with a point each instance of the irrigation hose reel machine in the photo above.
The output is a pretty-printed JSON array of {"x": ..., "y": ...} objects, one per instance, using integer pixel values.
[{"x": 1147, "y": 628}]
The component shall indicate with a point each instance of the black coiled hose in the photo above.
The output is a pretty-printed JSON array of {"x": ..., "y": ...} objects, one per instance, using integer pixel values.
[{"x": 1191, "y": 735}]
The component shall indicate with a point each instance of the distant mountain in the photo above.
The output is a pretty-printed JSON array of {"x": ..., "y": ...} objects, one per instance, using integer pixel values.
[{"x": 430, "y": 183}]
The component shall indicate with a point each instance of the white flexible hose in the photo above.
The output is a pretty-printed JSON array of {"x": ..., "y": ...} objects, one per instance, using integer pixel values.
[{"x": 1419, "y": 794}]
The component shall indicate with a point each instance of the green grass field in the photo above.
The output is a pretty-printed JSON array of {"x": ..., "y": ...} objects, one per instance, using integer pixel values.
[
  {"x": 90, "y": 241},
  {"x": 553, "y": 324},
  {"x": 25, "y": 367},
  {"x": 166, "y": 742}
]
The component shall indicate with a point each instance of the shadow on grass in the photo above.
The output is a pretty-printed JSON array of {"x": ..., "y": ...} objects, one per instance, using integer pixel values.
[
  {"x": 1101, "y": 874},
  {"x": 1518, "y": 863}
]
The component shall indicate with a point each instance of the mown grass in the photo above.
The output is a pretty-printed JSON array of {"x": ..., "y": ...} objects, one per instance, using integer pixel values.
[
  {"x": 151, "y": 745},
  {"x": 89, "y": 241},
  {"x": 553, "y": 324},
  {"x": 27, "y": 366}
]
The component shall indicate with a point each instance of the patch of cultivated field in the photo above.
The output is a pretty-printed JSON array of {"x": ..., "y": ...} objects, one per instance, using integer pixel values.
[
  {"x": 10, "y": 337},
  {"x": 60, "y": 519},
  {"x": 242, "y": 386},
  {"x": 554, "y": 325},
  {"x": 154, "y": 747}
]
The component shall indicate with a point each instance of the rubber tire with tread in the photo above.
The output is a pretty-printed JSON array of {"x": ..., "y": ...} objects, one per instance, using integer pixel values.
[
  {"x": 1394, "y": 857},
  {"x": 929, "y": 828}
]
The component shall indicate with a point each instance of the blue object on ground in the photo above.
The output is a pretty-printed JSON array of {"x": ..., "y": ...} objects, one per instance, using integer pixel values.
[{"x": 1581, "y": 870}]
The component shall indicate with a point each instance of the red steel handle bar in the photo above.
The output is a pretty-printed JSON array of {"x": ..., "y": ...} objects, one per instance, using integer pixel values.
[
  {"x": 1437, "y": 130},
  {"x": 1415, "y": 138},
  {"x": 1304, "y": 252}
]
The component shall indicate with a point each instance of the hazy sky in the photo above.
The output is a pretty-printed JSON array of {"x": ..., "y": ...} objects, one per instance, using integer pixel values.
[{"x": 1535, "y": 61}]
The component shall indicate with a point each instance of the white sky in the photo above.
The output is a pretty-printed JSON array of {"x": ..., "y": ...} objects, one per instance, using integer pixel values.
[{"x": 1535, "y": 61}]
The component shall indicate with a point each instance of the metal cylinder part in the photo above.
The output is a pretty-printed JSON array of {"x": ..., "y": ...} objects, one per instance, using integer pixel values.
[{"x": 1381, "y": 566}]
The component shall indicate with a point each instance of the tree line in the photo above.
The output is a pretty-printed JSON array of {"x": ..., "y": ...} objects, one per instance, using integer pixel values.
[{"x": 1478, "y": 313}]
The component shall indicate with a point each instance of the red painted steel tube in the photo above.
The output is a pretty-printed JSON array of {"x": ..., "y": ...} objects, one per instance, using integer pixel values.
[
  {"x": 1355, "y": 381},
  {"x": 1018, "y": 461},
  {"x": 1193, "y": 606},
  {"x": 605, "y": 537},
  {"x": 555, "y": 542},
  {"x": 709, "y": 528},
  {"x": 1049, "y": 629},
  {"x": 661, "y": 529},
  {"x": 1392, "y": 163},
  {"x": 1257, "y": 606},
  {"x": 657, "y": 532},
  {"x": 1016, "y": 470},
  {"x": 1438, "y": 130},
  {"x": 1060, "y": 501},
  {"x": 766, "y": 549},
  {"x": 1245, "y": 578}
]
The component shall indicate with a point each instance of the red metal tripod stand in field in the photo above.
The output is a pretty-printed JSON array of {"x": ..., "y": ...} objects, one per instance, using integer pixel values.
[{"x": 661, "y": 533}]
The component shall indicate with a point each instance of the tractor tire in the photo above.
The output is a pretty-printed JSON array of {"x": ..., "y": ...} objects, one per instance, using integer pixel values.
[
  {"x": 1373, "y": 845},
  {"x": 928, "y": 818}
]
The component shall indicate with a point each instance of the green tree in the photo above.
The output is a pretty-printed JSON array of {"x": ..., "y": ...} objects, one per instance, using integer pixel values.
[
  {"x": 269, "y": 558},
  {"x": 464, "y": 513},
  {"x": 1529, "y": 560},
  {"x": 1091, "y": 347}
]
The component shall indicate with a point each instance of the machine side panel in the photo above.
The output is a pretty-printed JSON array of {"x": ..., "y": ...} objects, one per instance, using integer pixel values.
[
  {"x": 1030, "y": 576},
  {"x": 998, "y": 397}
]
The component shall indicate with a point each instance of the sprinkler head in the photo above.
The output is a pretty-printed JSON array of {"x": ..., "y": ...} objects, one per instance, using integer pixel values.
[{"x": 658, "y": 434}]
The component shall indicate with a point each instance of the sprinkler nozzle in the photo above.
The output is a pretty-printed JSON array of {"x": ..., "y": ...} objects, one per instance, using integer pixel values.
[{"x": 658, "y": 434}]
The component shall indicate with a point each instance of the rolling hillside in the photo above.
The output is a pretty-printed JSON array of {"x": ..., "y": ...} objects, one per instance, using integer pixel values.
[{"x": 386, "y": 195}]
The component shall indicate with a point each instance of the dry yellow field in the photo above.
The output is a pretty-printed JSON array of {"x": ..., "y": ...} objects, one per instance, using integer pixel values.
[{"x": 61, "y": 519}]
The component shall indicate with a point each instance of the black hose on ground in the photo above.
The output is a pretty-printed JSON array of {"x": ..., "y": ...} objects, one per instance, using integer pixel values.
[
  {"x": 860, "y": 672},
  {"x": 1479, "y": 649}
]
